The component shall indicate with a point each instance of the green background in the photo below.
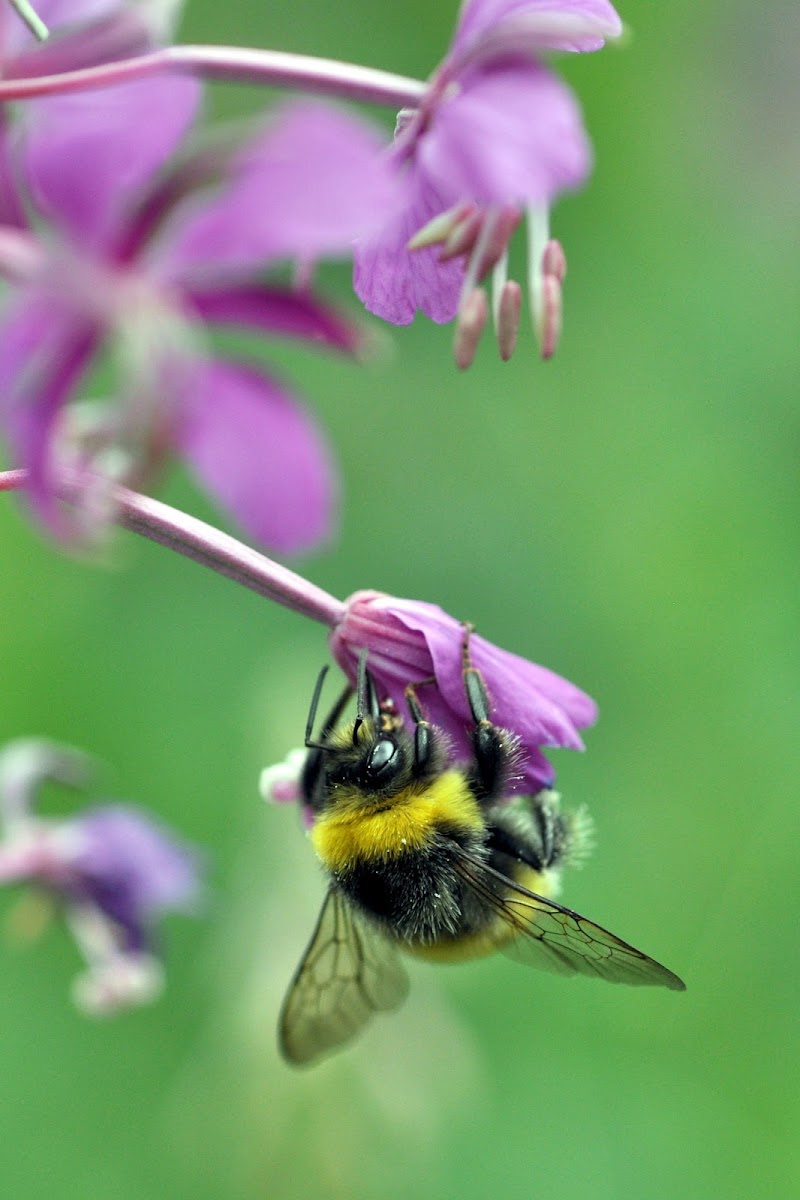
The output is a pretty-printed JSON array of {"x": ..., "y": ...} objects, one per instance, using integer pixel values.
[{"x": 626, "y": 514}]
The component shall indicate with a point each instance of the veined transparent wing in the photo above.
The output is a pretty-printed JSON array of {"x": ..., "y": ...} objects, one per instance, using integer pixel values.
[
  {"x": 548, "y": 935},
  {"x": 348, "y": 972}
]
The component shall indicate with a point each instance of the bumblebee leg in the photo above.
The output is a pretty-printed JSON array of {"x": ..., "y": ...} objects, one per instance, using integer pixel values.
[
  {"x": 531, "y": 830},
  {"x": 534, "y": 830},
  {"x": 423, "y": 734},
  {"x": 492, "y": 745},
  {"x": 309, "y": 780},
  {"x": 473, "y": 682},
  {"x": 333, "y": 717},
  {"x": 366, "y": 696}
]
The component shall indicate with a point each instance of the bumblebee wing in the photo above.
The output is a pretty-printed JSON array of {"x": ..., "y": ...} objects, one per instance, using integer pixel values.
[
  {"x": 547, "y": 935},
  {"x": 348, "y": 972}
]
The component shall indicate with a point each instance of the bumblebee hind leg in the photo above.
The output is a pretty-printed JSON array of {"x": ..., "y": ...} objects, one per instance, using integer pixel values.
[{"x": 534, "y": 830}]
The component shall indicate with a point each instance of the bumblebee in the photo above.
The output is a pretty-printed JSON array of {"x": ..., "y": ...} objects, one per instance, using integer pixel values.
[{"x": 432, "y": 860}]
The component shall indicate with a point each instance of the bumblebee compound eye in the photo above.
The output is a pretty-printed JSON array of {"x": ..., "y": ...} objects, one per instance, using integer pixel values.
[{"x": 384, "y": 760}]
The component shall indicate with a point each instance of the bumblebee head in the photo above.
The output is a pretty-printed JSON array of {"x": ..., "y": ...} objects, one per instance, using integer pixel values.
[{"x": 365, "y": 761}]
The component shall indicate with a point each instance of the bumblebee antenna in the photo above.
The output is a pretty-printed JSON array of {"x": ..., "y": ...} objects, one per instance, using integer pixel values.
[{"x": 312, "y": 712}]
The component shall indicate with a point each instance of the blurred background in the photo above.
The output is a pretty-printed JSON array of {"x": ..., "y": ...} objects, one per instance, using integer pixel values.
[{"x": 627, "y": 514}]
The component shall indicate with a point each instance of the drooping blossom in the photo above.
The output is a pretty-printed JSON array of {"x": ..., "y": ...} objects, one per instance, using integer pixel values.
[
  {"x": 497, "y": 135},
  {"x": 409, "y": 641},
  {"x": 111, "y": 870},
  {"x": 139, "y": 259},
  {"x": 82, "y": 33},
  {"x": 414, "y": 642}
]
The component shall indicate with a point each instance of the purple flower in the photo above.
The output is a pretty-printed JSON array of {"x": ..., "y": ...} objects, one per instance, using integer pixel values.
[
  {"x": 409, "y": 641},
  {"x": 83, "y": 33},
  {"x": 142, "y": 260},
  {"x": 113, "y": 869},
  {"x": 497, "y": 134},
  {"x": 413, "y": 642}
]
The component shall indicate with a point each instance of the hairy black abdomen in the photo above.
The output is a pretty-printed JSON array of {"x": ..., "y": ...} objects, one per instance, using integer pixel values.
[{"x": 416, "y": 896}]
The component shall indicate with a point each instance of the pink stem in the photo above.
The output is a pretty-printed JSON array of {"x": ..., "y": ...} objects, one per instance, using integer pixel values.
[
  {"x": 211, "y": 548},
  {"x": 237, "y": 64}
]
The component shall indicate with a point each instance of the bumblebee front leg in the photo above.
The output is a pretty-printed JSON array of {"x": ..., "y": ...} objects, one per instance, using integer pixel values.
[
  {"x": 426, "y": 758},
  {"x": 492, "y": 746}
]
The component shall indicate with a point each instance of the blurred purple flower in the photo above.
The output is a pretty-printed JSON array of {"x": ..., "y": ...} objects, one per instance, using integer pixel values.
[
  {"x": 144, "y": 260},
  {"x": 113, "y": 869},
  {"x": 83, "y": 33},
  {"x": 497, "y": 134},
  {"x": 409, "y": 641}
]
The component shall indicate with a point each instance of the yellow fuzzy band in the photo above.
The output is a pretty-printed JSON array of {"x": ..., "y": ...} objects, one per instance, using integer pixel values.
[{"x": 355, "y": 830}]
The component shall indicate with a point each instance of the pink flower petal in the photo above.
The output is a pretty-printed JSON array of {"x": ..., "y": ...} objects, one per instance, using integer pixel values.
[
  {"x": 16, "y": 38},
  {"x": 119, "y": 34},
  {"x": 85, "y": 154},
  {"x": 43, "y": 354},
  {"x": 59, "y": 13},
  {"x": 393, "y": 281},
  {"x": 274, "y": 311},
  {"x": 538, "y": 24},
  {"x": 307, "y": 186},
  {"x": 24, "y": 327},
  {"x": 12, "y": 212},
  {"x": 260, "y": 455},
  {"x": 513, "y": 134},
  {"x": 539, "y": 705}
]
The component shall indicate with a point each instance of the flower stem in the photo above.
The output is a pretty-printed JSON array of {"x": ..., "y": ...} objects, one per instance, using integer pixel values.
[
  {"x": 237, "y": 64},
  {"x": 211, "y": 548}
]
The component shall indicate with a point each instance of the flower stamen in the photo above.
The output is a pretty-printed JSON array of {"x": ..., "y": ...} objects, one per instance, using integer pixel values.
[
  {"x": 473, "y": 313},
  {"x": 482, "y": 236},
  {"x": 440, "y": 228},
  {"x": 547, "y": 267},
  {"x": 507, "y": 316}
]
